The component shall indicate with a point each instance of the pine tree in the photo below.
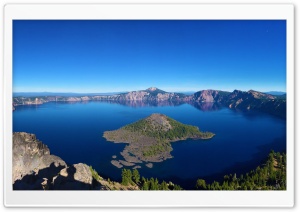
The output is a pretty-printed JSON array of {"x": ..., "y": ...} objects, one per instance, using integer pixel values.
[
  {"x": 201, "y": 184},
  {"x": 125, "y": 180},
  {"x": 126, "y": 177},
  {"x": 164, "y": 186},
  {"x": 152, "y": 185},
  {"x": 136, "y": 176}
]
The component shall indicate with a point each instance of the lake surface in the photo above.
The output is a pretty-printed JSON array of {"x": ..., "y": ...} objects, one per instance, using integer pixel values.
[{"x": 74, "y": 133}]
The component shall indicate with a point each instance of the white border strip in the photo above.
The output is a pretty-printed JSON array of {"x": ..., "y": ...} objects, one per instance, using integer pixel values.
[
  {"x": 148, "y": 11},
  {"x": 147, "y": 198}
]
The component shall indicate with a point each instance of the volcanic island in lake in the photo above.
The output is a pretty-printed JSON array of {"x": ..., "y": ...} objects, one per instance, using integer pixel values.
[{"x": 149, "y": 139}]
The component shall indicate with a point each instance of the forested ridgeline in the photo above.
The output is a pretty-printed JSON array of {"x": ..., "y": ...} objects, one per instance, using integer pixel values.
[{"x": 269, "y": 176}]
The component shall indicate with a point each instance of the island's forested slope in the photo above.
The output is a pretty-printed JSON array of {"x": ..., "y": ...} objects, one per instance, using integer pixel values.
[
  {"x": 165, "y": 128},
  {"x": 149, "y": 138}
]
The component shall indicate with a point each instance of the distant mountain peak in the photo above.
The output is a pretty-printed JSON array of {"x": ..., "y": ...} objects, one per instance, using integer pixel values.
[
  {"x": 152, "y": 89},
  {"x": 235, "y": 90}
]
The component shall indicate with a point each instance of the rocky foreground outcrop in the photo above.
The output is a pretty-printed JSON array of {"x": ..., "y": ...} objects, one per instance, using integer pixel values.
[
  {"x": 30, "y": 155},
  {"x": 34, "y": 168}
]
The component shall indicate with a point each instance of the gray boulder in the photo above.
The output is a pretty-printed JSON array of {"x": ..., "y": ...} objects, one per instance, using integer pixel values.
[{"x": 75, "y": 177}]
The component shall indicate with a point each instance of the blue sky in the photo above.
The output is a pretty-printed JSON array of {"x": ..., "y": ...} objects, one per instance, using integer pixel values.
[{"x": 110, "y": 56}]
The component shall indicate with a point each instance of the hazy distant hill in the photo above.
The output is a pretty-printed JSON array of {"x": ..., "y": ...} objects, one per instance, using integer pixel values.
[
  {"x": 39, "y": 94},
  {"x": 276, "y": 93}
]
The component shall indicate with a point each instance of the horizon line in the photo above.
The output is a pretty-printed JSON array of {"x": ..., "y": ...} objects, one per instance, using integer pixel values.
[{"x": 99, "y": 92}]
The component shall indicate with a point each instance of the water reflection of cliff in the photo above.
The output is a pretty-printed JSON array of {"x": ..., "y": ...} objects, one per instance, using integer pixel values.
[
  {"x": 206, "y": 106},
  {"x": 147, "y": 103},
  {"x": 203, "y": 106},
  {"x": 74, "y": 102}
]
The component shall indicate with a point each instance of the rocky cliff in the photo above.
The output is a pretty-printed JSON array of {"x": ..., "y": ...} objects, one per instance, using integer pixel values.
[
  {"x": 30, "y": 155},
  {"x": 210, "y": 96},
  {"x": 34, "y": 168},
  {"x": 153, "y": 95},
  {"x": 242, "y": 100},
  {"x": 254, "y": 100}
]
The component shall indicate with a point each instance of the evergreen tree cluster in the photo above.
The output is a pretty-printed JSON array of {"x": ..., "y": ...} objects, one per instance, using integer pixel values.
[
  {"x": 95, "y": 174},
  {"x": 130, "y": 177},
  {"x": 133, "y": 178},
  {"x": 270, "y": 176},
  {"x": 153, "y": 184},
  {"x": 159, "y": 147}
]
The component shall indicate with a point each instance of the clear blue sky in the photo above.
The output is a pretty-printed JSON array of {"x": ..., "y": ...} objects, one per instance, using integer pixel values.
[{"x": 110, "y": 56}]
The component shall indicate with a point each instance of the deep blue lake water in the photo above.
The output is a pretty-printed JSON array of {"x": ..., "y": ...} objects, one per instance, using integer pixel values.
[{"x": 74, "y": 133}]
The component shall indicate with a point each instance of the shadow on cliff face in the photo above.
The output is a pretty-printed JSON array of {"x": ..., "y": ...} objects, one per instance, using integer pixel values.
[
  {"x": 57, "y": 178},
  {"x": 34, "y": 181}
]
